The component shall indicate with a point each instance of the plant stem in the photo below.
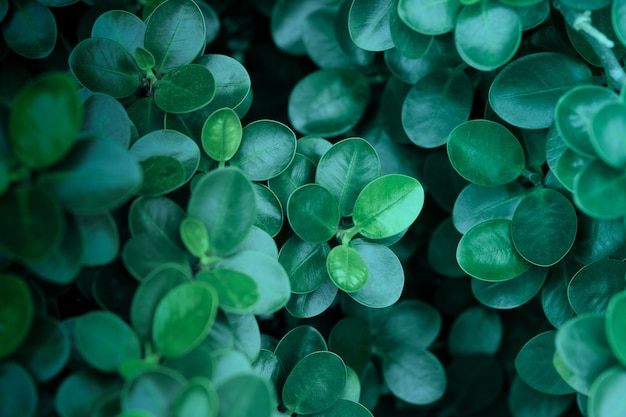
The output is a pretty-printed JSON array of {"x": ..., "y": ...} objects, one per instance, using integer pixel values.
[{"x": 601, "y": 44}]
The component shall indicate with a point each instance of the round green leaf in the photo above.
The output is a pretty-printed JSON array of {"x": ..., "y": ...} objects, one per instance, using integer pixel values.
[
  {"x": 313, "y": 213},
  {"x": 222, "y": 134},
  {"x": 87, "y": 182},
  {"x": 587, "y": 4},
  {"x": 346, "y": 268},
  {"x": 313, "y": 303},
  {"x": 533, "y": 15},
  {"x": 19, "y": 392},
  {"x": 407, "y": 41},
  {"x": 534, "y": 365},
  {"x": 156, "y": 216},
  {"x": 345, "y": 169},
  {"x": 79, "y": 393},
  {"x": 44, "y": 121},
  {"x": 228, "y": 363},
  {"x": 298, "y": 343},
  {"x": 544, "y": 227},
  {"x": 554, "y": 302},
  {"x": 344, "y": 408},
  {"x": 575, "y": 110},
  {"x": 429, "y": 18},
  {"x": 144, "y": 58},
  {"x": 608, "y": 134},
  {"x": 350, "y": 338},
  {"x": 16, "y": 313},
  {"x": 105, "y": 340},
  {"x": 225, "y": 202},
  {"x": 301, "y": 171},
  {"x": 154, "y": 391},
  {"x": 184, "y": 89},
  {"x": 615, "y": 323},
  {"x": 442, "y": 250},
  {"x": 305, "y": 263},
  {"x": 245, "y": 395},
  {"x": 328, "y": 102},
  {"x": 409, "y": 323},
  {"x": 30, "y": 29},
  {"x": 146, "y": 116},
  {"x": 435, "y": 105},
  {"x": 487, "y": 34},
  {"x": 267, "y": 148},
  {"x": 33, "y": 223},
  {"x": 368, "y": 23},
  {"x": 599, "y": 239},
  {"x": 591, "y": 288},
  {"x": 120, "y": 26},
  {"x": 232, "y": 83},
  {"x": 485, "y": 153},
  {"x": 487, "y": 252},
  {"x": 313, "y": 147},
  {"x": 315, "y": 383},
  {"x": 198, "y": 398},
  {"x": 414, "y": 375},
  {"x": 103, "y": 65},
  {"x": 524, "y": 401},
  {"x": 237, "y": 292},
  {"x": 257, "y": 240},
  {"x": 195, "y": 236},
  {"x": 606, "y": 394},
  {"x": 511, "y": 293},
  {"x": 106, "y": 118},
  {"x": 529, "y": 101},
  {"x": 175, "y": 34},
  {"x": 183, "y": 318},
  {"x": 269, "y": 214},
  {"x": 567, "y": 167},
  {"x": 599, "y": 190},
  {"x": 388, "y": 205},
  {"x": 476, "y": 330}
]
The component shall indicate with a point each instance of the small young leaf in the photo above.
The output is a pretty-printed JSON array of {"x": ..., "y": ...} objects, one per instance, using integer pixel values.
[
  {"x": 346, "y": 268},
  {"x": 16, "y": 313},
  {"x": 144, "y": 59},
  {"x": 194, "y": 235},
  {"x": 184, "y": 89},
  {"x": 615, "y": 322},
  {"x": 222, "y": 134},
  {"x": 313, "y": 213}
]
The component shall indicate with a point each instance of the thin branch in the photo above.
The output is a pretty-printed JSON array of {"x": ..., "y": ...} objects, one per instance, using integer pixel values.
[{"x": 601, "y": 44}]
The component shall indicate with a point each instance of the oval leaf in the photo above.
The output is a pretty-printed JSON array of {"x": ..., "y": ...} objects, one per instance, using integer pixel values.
[
  {"x": 184, "y": 89},
  {"x": 346, "y": 268},
  {"x": 222, "y": 134},
  {"x": 608, "y": 134},
  {"x": 429, "y": 18},
  {"x": 313, "y": 213},
  {"x": 16, "y": 312}
]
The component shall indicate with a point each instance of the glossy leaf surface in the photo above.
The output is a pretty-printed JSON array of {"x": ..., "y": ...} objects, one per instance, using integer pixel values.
[
  {"x": 615, "y": 325},
  {"x": 305, "y": 263},
  {"x": 313, "y": 213},
  {"x": 368, "y": 22},
  {"x": 120, "y": 26},
  {"x": 222, "y": 134},
  {"x": 30, "y": 30},
  {"x": 608, "y": 134},
  {"x": 346, "y": 268},
  {"x": 184, "y": 89},
  {"x": 434, "y": 18},
  {"x": 599, "y": 190}
]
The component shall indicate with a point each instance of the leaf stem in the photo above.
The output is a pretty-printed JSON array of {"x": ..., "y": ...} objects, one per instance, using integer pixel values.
[
  {"x": 221, "y": 163},
  {"x": 346, "y": 235},
  {"x": 532, "y": 177}
]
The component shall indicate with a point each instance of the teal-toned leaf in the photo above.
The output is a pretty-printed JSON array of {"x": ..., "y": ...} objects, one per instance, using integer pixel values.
[
  {"x": 575, "y": 110},
  {"x": 222, "y": 134},
  {"x": 245, "y": 395},
  {"x": 533, "y": 15},
  {"x": 144, "y": 58},
  {"x": 268, "y": 366},
  {"x": 198, "y": 398},
  {"x": 313, "y": 147},
  {"x": 19, "y": 392},
  {"x": 183, "y": 318},
  {"x": 615, "y": 318},
  {"x": 44, "y": 121},
  {"x": 237, "y": 292},
  {"x": 346, "y": 268},
  {"x": 228, "y": 363},
  {"x": 368, "y": 23},
  {"x": 239, "y": 332},
  {"x": 267, "y": 148},
  {"x": 567, "y": 167},
  {"x": 350, "y": 338},
  {"x": 618, "y": 19},
  {"x": 146, "y": 116},
  {"x": 106, "y": 118},
  {"x": 357, "y": 55},
  {"x": 315, "y": 383},
  {"x": 300, "y": 171},
  {"x": 328, "y": 102},
  {"x": 225, "y": 202},
  {"x": 511, "y": 293},
  {"x": 435, "y": 105},
  {"x": 554, "y": 301},
  {"x": 103, "y": 65},
  {"x": 269, "y": 214},
  {"x": 79, "y": 393},
  {"x": 409, "y": 323},
  {"x": 487, "y": 34},
  {"x": 257, "y": 240},
  {"x": 120, "y": 26},
  {"x": 96, "y": 176},
  {"x": 599, "y": 190},
  {"x": 607, "y": 132},
  {"x": 184, "y": 89},
  {"x": 313, "y": 303},
  {"x": 156, "y": 216},
  {"x": 345, "y": 169},
  {"x": 442, "y": 250},
  {"x": 305, "y": 263},
  {"x": 195, "y": 363},
  {"x": 407, "y": 41},
  {"x": 154, "y": 391},
  {"x": 113, "y": 287},
  {"x": 414, "y": 375},
  {"x": 587, "y": 4},
  {"x": 430, "y": 18},
  {"x": 599, "y": 239},
  {"x": 529, "y": 102},
  {"x": 441, "y": 179},
  {"x": 387, "y": 205},
  {"x": 528, "y": 402},
  {"x": 232, "y": 83},
  {"x": 485, "y": 153},
  {"x": 345, "y": 408},
  {"x": 592, "y": 287},
  {"x": 605, "y": 396},
  {"x": 194, "y": 235},
  {"x": 30, "y": 29},
  {"x": 298, "y": 343},
  {"x": 175, "y": 34},
  {"x": 33, "y": 223},
  {"x": 475, "y": 330},
  {"x": 16, "y": 313},
  {"x": 313, "y": 213}
]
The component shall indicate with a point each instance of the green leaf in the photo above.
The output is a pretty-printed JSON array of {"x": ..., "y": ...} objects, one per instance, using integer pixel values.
[
  {"x": 430, "y": 18},
  {"x": 344, "y": 408},
  {"x": 16, "y": 313},
  {"x": 528, "y": 402},
  {"x": 112, "y": 288},
  {"x": 44, "y": 121},
  {"x": 106, "y": 118},
  {"x": 350, "y": 338},
  {"x": 487, "y": 34},
  {"x": 441, "y": 179},
  {"x": 120, "y": 26},
  {"x": 534, "y": 365},
  {"x": 196, "y": 363},
  {"x": 511, "y": 293},
  {"x": 103, "y": 65},
  {"x": 346, "y": 268},
  {"x": 33, "y": 223},
  {"x": 313, "y": 147},
  {"x": 587, "y": 4},
  {"x": 475, "y": 330},
  {"x": 300, "y": 171},
  {"x": 591, "y": 288},
  {"x": 485, "y": 153},
  {"x": 567, "y": 167},
  {"x": 407, "y": 41},
  {"x": 298, "y": 343},
  {"x": 197, "y": 398},
  {"x": 144, "y": 58},
  {"x": 257, "y": 240},
  {"x": 225, "y": 202},
  {"x": 222, "y": 134},
  {"x": 245, "y": 395},
  {"x": 315, "y": 383},
  {"x": 442, "y": 250},
  {"x": 487, "y": 252},
  {"x": 305, "y": 263},
  {"x": 232, "y": 83},
  {"x": 599, "y": 190},
  {"x": 313, "y": 213},
  {"x": 270, "y": 368},
  {"x": 269, "y": 213},
  {"x": 87, "y": 182},
  {"x": 156, "y": 216},
  {"x": 19, "y": 392},
  {"x": 345, "y": 169},
  {"x": 146, "y": 116},
  {"x": 615, "y": 318},
  {"x": 328, "y": 102},
  {"x": 554, "y": 301},
  {"x": 313, "y": 303},
  {"x": 599, "y": 239},
  {"x": 414, "y": 375},
  {"x": 618, "y": 19},
  {"x": 368, "y": 23},
  {"x": 529, "y": 102},
  {"x": 606, "y": 394},
  {"x": 267, "y": 148},
  {"x": 574, "y": 112},
  {"x": 435, "y": 105},
  {"x": 79, "y": 393},
  {"x": 237, "y": 292},
  {"x": 236, "y": 332},
  {"x": 409, "y": 323},
  {"x": 105, "y": 340},
  {"x": 175, "y": 34},
  {"x": 168, "y": 159},
  {"x": 533, "y": 15},
  {"x": 194, "y": 235},
  {"x": 607, "y": 131},
  {"x": 30, "y": 29},
  {"x": 154, "y": 391},
  {"x": 184, "y": 89},
  {"x": 183, "y": 318}
]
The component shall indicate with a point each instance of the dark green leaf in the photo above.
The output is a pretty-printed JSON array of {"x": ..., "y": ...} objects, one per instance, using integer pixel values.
[
  {"x": 322, "y": 43},
  {"x": 533, "y": 15},
  {"x": 608, "y": 134},
  {"x": 154, "y": 391},
  {"x": 407, "y": 41},
  {"x": 345, "y": 408},
  {"x": 120, "y": 26},
  {"x": 79, "y": 393},
  {"x": 237, "y": 292},
  {"x": 30, "y": 29},
  {"x": 222, "y": 134},
  {"x": 599, "y": 239},
  {"x": 156, "y": 216},
  {"x": 146, "y": 116},
  {"x": 618, "y": 18},
  {"x": 196, "y": 363},
  {"x": 408, "y": 323},
  {"x": 106, "y": 118},
  {"x": 599, "y": 190},
  {"x": 554, "y": 301},
  {"x": 313, "y": 213},
  {"x": 113, "y": 287},
  {"x": 245, "y": 395},
  {"x": 19, "y": 392},
  {"x": 567, "y": 167},
  {"x": 301, "y": 171},
  {"x": 524, "y": 401},
  {"x": 305, "y": 263},
  {"x": 346, "y": 268},
  {"x": 313, "y": 147},
  {"x": 313, "y": 303},
  {"x": 511, "y": 293},
  {"x": 184, "y": 89},
  {"x": 368, "y": 23},
  {"x": 232, "y": 83},
  {"x": 591, "y": 288},
  {"x": 430, "y": 18},
  {"x": 269, "y": 214},
  {"x": 442, "y": 250},
  {"x": 350, "y": 339},
  {"x": 587, "y": 4},
  {"x": 298, "y": 343},
  {"x": 476, "y": 330},
  {"x": 16, "y": 313}
]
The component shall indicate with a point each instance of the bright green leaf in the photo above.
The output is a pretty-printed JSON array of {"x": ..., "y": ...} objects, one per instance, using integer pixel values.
[
  {"x": 346, "y": 268},
  {"x": 237, "y": 292},
  {"x": 313, "y": 213},
  {"x": 222, "y": 134}
]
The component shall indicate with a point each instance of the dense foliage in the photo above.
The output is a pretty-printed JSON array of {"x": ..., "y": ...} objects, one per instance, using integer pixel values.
[{"x": 328, "y": 208}]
